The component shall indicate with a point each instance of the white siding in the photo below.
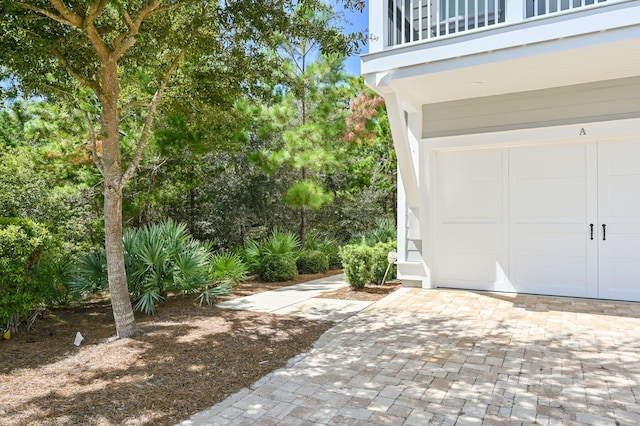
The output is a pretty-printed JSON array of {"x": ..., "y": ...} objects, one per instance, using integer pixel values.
[{"x": 593, "y": 102}]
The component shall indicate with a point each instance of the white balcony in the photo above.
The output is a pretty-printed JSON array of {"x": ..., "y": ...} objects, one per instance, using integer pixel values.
[
  {"x": 517, "y": 45},
  {"x": 408, "y": 21}
]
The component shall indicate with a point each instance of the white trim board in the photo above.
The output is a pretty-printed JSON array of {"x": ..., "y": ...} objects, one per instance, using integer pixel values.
[{"x": 555, "y": 134}]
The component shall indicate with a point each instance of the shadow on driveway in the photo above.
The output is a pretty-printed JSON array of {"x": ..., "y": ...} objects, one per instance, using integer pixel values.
[{"x": 458, "y": 357}]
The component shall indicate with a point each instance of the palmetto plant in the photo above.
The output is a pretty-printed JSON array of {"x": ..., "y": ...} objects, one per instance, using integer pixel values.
[
  {"x": 280, "y": 242},
  {"x": 159, "y": 259},
  {"x": 314, "y": 241},
  {"x": 327, "y": 245},
  {"x": 320, "y": 241},
  {"x": 91, "y": 274},
  {"x": 252, "y": 254},
  {"x": 163, "y": 258},
  {"x": 227, "y": 268},
  {"x": 384, "y": 232}
]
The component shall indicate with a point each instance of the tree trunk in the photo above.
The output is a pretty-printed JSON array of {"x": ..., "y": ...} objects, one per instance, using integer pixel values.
[
  {"x": 192, "y": 211},
  {"x": 303, "y": 226},
  {"x": 303, "y": 214},
  {"x": 118, "y": 289},
  {"x": 114, "y": 247}
]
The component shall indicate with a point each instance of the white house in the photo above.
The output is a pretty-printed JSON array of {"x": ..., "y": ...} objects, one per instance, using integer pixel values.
[{"x": 517, "y": 129}]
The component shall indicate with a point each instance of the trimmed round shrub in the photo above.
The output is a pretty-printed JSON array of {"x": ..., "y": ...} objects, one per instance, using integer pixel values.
[
  {"x": 379, "y": 262},
  {"x": 278, "y": 267},
  {"x": 332, "y": 251},
  {"x": 335, "y": 261},
  {"x": 364, "y": 264},
  {"x": 312, "y": 262},
  {"x": 357, "y": 264}
]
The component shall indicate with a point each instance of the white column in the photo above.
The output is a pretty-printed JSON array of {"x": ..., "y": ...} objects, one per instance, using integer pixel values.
[
  {"x": 399, "y": 132},
  {"x": 378, "y": 36}
]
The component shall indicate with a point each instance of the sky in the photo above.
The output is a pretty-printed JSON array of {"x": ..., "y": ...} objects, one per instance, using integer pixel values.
[{"x": 359, "y": 22}]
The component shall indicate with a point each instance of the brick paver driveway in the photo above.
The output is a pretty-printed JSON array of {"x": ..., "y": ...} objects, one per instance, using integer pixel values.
[{"x": 458, "y": 357}]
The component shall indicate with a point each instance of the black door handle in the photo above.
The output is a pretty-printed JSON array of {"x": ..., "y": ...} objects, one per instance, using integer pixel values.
[
  {"x": 604, "y": 232},
  {"x": 591, "y": 226}
]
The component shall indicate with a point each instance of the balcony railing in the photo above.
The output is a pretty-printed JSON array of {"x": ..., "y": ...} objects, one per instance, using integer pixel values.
[{"x": 415, "y": 20}]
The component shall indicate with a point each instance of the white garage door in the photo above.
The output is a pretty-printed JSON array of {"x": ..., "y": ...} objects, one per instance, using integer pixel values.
[
  {"x": 549, "y": 219},
  {"x": 619, "y": 220}
]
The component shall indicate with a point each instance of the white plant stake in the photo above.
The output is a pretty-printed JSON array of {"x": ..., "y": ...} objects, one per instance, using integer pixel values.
[
  {"x": 392, "y": 258},
  {"x": 79, "y": 339}
]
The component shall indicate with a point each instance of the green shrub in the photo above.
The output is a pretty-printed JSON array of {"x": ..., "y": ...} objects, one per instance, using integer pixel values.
[
  {"x": 26, "y": 248},
  {"x": 33, "y": 186},
  {"x": 356, "y": 259},
  {"x": 327, "y": 245},
  {"x": 226, "y": 268},
  {"x": 379, "y": 262},
  {"x": 213, "y": 291},
  {"x": 315, "y": 241},
  {"x": 60, "y": 274},
  {"x": 280, "y": 242},
  {"x": 312, "y": 262},
  {"x": 364, "y": 264},
  {"x": 332, "y": 251},
  {"x": 385, "y": 231},
  {"x": 163, "y": 258},
  {"x": 278, "y": 267},
  {"x": 90, "y": 274},
  {"x": 252, "y": 255}
]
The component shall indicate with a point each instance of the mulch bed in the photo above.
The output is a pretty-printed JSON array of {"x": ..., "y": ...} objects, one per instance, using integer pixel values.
[
  {"x": 370, "y": 292},
  {"x": 188, "y": 358}
]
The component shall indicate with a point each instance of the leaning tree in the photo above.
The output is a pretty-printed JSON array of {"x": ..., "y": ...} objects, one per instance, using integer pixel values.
[{"x": 119, "y": 59}]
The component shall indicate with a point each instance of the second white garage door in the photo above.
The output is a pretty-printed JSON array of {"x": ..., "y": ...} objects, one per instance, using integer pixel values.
[{"x": 559, "y": 219}]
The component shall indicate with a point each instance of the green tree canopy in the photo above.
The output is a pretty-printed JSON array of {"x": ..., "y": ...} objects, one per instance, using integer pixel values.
[{"x": 118, "y": 60}]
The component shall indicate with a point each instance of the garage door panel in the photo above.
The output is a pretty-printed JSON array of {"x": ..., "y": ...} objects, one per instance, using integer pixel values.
[
  {"x": 548, "y": 161},
  {"x": 621, "y": 245},
  {"x": 551, "y": 197},
  {"x": 619, "y": 209},
  {"x": 549, "y": 200},
  {"x": 475, "y": 271},
  {"x": 470, "y": 238},
  {"x": 619, "y": 157},
  {"x": 558, "y": 275},
  {"x": 471, "y": 213},
  {"x": 470, "y": 166},
  {"x": 545, "y": 243},
  {"x": 472, "y": 201},
  {"x": 622, "y": 194},
  {"x": 622, "y": 276}
]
